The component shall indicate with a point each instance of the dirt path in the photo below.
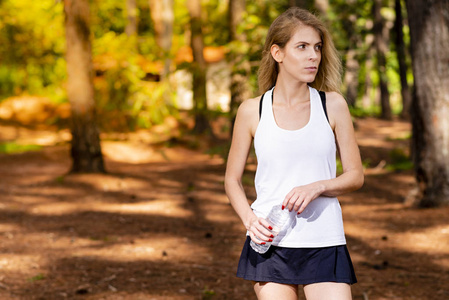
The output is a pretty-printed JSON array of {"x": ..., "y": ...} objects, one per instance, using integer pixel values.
[{"x": 159, "y": 226}]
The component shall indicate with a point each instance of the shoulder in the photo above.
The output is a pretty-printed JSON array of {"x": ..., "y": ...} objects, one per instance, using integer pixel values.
[
  {"x": 337, "y": 108},
  {"x": 248, "y": 106},
  {"x": 248, "y": 114},
  {"x": 335, "y": 101}
]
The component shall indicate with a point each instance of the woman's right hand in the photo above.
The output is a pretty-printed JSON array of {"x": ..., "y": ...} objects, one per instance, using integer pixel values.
[{"x": 260, "y": 231}]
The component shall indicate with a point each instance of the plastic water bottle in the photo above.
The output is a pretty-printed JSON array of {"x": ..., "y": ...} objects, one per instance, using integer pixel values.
[{"x": 277, "y": 218}]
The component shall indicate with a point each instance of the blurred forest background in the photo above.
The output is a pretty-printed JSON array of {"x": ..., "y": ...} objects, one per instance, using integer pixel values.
[
  {"x": 142, "y": 55},
  {"x": 129, "y": 65},
  {"x": 115, "y": 123}
]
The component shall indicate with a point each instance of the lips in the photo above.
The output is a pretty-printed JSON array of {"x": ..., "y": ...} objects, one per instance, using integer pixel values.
[{"x": 312, "y": 69}]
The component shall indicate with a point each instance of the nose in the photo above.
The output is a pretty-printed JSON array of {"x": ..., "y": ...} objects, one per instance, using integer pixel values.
[{"x": 312, "y": 54}]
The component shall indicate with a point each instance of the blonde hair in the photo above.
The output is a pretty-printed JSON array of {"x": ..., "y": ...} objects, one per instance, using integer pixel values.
[{"x": 281, "y": 30}]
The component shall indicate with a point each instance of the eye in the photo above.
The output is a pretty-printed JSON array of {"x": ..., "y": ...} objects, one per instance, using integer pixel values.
[
  {"x": 318, "y": 47},
  {"x": 302, "y": 46}
]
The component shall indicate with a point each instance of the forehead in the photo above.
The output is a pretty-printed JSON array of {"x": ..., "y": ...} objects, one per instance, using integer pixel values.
[{"x": 305, "y": 34}]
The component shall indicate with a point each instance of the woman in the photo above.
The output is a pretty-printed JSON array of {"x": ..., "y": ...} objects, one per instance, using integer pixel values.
[{"x": 296, "y": 143}]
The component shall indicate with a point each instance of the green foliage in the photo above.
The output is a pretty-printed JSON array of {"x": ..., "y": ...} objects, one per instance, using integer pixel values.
[
  {"x": 32, "y": 61},
  {"x": 60, "y": 179},
  {"x": 38, "y": 277},
  {"x": 107, "y": 16},
  {"x": 405, "y": 137},
  {"x": 207, "y": 293},
  {"x": 221, "y": 150},
  {"x": 256, "y": 20},
  {"x": 106, "y": 239},
  {"x": 32, "y": 48},
  {"x": 400, "y": 161},
  {"x": 215, "y": 16},
  {"x": 248, "y": 179},
  {"x": 351, "y": 26},
  {"x": 152, "y": 102},
  {"x": 339, "y": 166},
  {"x": 365, "y": 163},
  {"x": 125, "y": 99},
  {"x": 374, "y": 110},
  {"x": 361, "y": 112},
  {"x": 11, "y": 147}
]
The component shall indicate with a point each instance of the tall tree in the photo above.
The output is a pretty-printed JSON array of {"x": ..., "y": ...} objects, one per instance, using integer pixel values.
[
  {"x": 352, "y": 66},
  {"x": 163, "y": 18},
  {"x": 85, "y": 145},
  {"x": 380, "y": 40},
  {"x": 131, "y": 13},
  {"x": 350, "y": 78},
  {"x": 198, "y": 69},
  {"x": 429, "y": 32},
  {"x": 401, "y": 56},
  {"x": 368, "y": 82},
  {"x": 240, "y": 66}
]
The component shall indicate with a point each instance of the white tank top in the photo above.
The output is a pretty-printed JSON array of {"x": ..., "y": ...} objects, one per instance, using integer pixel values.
[{"x": 290, "y": 158}]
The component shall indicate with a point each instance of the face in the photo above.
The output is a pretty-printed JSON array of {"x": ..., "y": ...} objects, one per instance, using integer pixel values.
[{"x": 301, "y": 56}]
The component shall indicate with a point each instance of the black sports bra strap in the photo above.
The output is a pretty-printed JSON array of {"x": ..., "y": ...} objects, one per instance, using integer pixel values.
[
  {"x": 323, "y": 102},
  {"x": 260, "y": 106}
]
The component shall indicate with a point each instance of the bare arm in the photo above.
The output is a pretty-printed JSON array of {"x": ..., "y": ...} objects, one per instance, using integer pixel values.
[
  {"x": 341, "y": 122},
  {"x": 244, "y": 129},
  {"x": 352, "y": 178}
]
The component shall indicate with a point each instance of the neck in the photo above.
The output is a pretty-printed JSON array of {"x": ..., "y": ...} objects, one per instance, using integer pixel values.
[{"x": 289, "y": 93}]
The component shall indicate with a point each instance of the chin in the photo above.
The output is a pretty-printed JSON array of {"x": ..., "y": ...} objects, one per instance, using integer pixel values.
[{"x": 309, "y": 80}]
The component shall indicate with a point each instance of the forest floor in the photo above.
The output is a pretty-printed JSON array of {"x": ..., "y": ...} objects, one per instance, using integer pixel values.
[{"x": 158, "y": 225}]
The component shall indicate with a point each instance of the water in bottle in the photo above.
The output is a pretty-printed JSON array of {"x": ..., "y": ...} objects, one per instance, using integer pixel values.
[{"x": 277, "y": 218}]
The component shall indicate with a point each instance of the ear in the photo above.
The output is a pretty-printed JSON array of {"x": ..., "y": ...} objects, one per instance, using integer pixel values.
[{"x": 277, "y": 53}]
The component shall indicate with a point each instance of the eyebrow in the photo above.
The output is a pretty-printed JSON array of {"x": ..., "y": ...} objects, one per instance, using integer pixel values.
[{"x": 307, "y": 43}]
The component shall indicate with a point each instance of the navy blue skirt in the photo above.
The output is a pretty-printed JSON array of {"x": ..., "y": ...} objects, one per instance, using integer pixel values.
[{"x": 297, "y": 265}]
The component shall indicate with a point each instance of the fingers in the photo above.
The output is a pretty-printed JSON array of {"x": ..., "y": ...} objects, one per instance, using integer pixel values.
[
  {"x": 297, "y": 200},
  {"x": 266, "y": 226},
  {"x": 255, "y": 239},
  {"x": 302, "y": 206},
  {"x": 286, "y": 202},
  {"x": 293, "y": 200},
  {"x": 260, "y": 231}
]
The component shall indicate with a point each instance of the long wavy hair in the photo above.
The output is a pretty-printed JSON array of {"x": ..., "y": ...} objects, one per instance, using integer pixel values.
[{"x": 280, "y": 32}]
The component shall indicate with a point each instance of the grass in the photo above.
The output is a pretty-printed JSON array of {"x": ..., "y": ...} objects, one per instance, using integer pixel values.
[
  {"x": 365, "y": 163},
  {"x": 400, "y": 161},
  {"x": 38, "y": 277},
  {"x": 60, "y": 179},
  {"x": 12, "y": 147},
  {"x": 360, "y": 112},
  {"x": 207, "y": 294},
  {"x": 405, "y": 137}
]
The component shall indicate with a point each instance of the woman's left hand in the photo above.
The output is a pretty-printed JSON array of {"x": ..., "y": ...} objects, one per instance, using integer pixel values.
[{"x": 299, "y": 197}]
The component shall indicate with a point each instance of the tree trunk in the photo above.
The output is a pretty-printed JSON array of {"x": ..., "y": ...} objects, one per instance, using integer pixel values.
[
  {"x": 429, "y": 32},
  {"x": 367, "y": 101},
  {"x": 240, "y": 67},
  {"x": 380, "y": 39},
  {"x": 163, "y": 18},
  {"x": 85, "y": 145},
  {"x": 350, "y": 80},
  {"x": 198, "y": 69},
  {"x": 131, "y": 12},
  {"x": 400, "y": 52}
]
